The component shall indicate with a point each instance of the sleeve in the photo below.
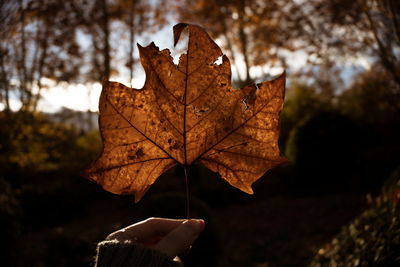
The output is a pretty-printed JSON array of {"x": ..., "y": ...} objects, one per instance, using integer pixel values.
[{"x": 120, "y": 254}]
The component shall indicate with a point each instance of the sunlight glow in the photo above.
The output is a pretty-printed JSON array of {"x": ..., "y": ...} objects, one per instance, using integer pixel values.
[
  {"x": 85, "y": 97},
  {"x": 81, "y": 97},
  {"x": 14, "y": 105}
]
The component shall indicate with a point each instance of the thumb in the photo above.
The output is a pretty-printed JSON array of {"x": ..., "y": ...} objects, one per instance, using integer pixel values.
[{"x": 181, "y": 238}]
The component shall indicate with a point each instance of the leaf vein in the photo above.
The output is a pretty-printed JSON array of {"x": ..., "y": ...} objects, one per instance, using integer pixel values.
[{"x": 144, "y": 135}]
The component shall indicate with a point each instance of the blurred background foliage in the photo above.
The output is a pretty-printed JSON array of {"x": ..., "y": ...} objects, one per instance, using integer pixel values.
[
  {"x": 373, "y": 238},
  {"x": 335, "y": 204}
]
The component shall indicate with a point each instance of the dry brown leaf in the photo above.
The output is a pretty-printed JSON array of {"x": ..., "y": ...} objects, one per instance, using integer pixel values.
[{"x": 187, "y": 114}]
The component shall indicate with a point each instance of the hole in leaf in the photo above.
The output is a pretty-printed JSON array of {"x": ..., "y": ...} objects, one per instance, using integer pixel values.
[
  {"x": 200, "y": 111},
  {"x": 139, "y": 152},
  {"x": 132, "y": 155},
  {"x": 244, "y": 102},
  {"x": 218, "y": 61}
]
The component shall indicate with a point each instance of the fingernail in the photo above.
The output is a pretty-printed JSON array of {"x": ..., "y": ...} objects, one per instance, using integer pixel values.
[
  {"x": 202, "y": 224},
  {"x": 196, "y": 224}
]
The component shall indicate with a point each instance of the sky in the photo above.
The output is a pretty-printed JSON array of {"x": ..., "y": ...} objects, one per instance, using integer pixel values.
[{"x": 84, "y": 97}]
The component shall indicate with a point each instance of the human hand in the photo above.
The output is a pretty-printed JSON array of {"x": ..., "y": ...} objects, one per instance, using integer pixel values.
[{"x": 169, "y": 236}]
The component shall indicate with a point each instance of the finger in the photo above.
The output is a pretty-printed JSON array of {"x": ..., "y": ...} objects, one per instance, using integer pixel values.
[
  {"x": 181, "y": 238},
  {"x": 149, "y": 229}
]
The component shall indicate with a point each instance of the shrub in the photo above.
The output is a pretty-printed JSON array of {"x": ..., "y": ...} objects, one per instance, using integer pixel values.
[{"x": 372, "y": 239}]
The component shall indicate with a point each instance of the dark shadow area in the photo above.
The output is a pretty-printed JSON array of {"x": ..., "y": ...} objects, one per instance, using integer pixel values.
[{"x": 51, "y": 216}]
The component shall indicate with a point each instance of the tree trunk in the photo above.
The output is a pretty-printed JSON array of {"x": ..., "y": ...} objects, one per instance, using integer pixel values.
[
  {"x": 24, "y": 93},
  {"x": 131, "y": 39},
  {"x": 385, "y": 54},
  {"x": 243, "y": 39},
  {"x": 40, "y": 73},
  {"x": 5, "y": 84},
  {"x": 106, "y": 42}
]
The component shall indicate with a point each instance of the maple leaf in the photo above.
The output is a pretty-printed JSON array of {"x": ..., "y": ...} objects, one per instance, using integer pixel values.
[{"x": 185, "y": 114}]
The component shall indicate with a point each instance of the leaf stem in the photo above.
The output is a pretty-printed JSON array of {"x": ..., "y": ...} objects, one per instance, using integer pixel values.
[{"x": 186, "y": 168}]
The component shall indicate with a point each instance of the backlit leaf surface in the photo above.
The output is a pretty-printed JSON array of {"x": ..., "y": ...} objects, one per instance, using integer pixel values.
[{"x": 187, "y": 114}]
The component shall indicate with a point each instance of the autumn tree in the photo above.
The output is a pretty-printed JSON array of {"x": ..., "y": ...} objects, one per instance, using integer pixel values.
[
  {"x": 112, "y": 26},
  {"x": 341, "y": 30},
  {"x": 258, "y": 33},
  {"x": 37, "y": 41},
  {"x": 4, "y": 79},
  {"x": 72, "y": 41},
  {"x": 139, "y": 16}
]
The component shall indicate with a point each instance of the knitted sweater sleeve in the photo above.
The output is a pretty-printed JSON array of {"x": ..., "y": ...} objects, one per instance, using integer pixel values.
[{"x": 113, "y": 253}]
